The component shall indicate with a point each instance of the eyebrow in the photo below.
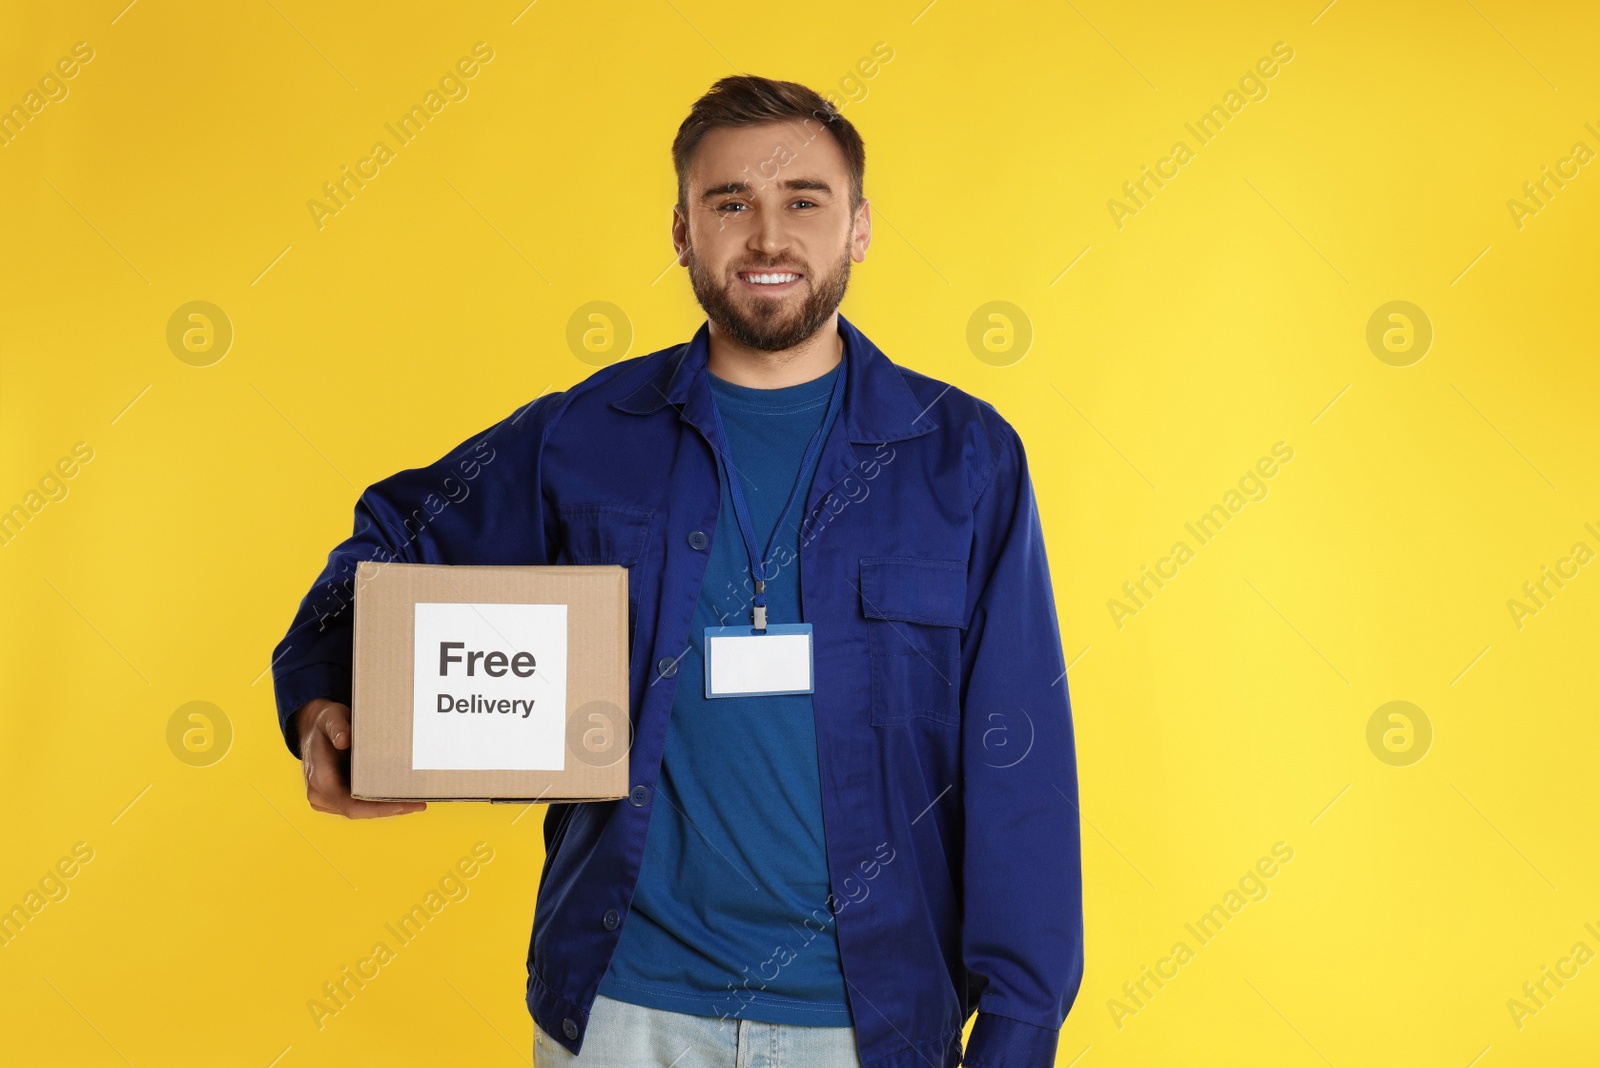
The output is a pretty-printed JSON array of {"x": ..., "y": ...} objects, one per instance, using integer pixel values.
[{"x": 791, "y": 184}]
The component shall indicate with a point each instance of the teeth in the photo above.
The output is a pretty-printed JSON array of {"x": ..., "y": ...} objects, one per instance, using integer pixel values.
[{"x": 770, "y": 279}]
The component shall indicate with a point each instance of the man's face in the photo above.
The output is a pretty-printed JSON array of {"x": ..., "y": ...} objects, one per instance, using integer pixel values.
[{"x": 769, "y": 236}]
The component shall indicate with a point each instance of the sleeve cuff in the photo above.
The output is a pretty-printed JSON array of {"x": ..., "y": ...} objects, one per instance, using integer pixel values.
[
  {"x": 307, "y": 684},
  {"x": 1001, "y": 1042}
]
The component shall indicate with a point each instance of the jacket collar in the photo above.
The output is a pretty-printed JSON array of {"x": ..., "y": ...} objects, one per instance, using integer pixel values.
[{"x": 878, "y": 406}]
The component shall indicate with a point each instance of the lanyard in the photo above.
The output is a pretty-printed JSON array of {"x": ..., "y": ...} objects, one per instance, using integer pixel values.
[{"x": 758, "y": 561}]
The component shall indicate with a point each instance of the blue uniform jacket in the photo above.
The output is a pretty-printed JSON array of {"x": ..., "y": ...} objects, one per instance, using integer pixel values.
[{"x": 944, "y": 729}]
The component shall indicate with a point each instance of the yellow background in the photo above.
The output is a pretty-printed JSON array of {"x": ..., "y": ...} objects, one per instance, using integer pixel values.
[{"x": 1229, "y": 314}]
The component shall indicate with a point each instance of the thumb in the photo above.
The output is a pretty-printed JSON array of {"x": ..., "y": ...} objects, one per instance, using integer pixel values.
[{"x": 336, "y": 725}]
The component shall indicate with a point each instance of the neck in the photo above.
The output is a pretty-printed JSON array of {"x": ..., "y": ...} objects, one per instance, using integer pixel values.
[{"x": 758, "y": 369}]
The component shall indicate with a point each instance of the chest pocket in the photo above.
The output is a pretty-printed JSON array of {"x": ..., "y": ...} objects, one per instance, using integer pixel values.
[
  {"x": 915, "y": 609},
  {"x": 607, "y": 534}
]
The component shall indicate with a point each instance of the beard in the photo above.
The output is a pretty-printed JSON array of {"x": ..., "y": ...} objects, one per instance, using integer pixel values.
[{"x": 765, "y": 323}]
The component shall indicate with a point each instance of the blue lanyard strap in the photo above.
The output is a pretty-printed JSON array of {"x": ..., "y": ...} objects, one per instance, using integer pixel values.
[{"x": 760, "y": 561}]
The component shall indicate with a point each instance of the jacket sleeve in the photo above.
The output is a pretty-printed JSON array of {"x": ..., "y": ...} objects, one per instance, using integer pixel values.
[
  {"x": 1022, "y": 894},
  {"x": 480, "y": 503}
]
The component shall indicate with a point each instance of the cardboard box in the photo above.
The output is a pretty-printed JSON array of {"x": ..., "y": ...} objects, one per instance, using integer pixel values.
[{"x": 490, "y": 683}]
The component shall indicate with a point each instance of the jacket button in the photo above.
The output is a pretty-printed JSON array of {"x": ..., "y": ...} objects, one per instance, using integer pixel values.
[
  {"x": 610, "y": 919},
  {"x": 667, "y": 666},
  {"x": 638, "y": 795},
  {"x": 698, "y": 539},
  {"x": 569, "y": 1028}
]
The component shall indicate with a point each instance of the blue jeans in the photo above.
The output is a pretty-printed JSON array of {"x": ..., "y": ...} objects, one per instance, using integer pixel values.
[{"x": 625, "y": 1035}]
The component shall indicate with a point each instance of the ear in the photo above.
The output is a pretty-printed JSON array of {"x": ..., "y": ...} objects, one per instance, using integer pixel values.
[
  {"x": 680, "y": 235},
  {"x": 861, "y": 237}
]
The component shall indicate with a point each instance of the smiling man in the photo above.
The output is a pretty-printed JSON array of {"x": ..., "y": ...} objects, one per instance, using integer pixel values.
[{"x": 852, "y": 819}]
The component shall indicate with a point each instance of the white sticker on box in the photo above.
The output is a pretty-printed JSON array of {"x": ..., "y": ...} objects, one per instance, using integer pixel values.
[{"x": 490, "y": 687}]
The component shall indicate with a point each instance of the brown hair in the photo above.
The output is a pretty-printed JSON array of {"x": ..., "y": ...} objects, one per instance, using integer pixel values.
[{"x": 748, "y": 100}]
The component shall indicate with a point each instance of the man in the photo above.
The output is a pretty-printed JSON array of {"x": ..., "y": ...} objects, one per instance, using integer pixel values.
[{"x": 832, "y": 875}]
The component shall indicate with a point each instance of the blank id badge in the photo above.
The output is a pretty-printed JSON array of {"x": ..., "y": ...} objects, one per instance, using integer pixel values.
[{"x": 745, "y": 662}]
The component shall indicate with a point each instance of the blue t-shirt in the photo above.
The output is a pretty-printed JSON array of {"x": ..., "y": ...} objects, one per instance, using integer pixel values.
[{"x": 730, "y": 917}]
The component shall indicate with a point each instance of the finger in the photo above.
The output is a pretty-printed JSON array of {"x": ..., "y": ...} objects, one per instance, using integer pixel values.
[
  {"x": 342, "y": 803},
  {"x": 322, "y": 772},
  {"x": 334, "y": 724},
  {"x": 357, "y": 809}
]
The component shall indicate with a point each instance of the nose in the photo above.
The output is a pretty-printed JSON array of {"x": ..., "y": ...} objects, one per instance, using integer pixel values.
[{"x": 767, "y": 235}]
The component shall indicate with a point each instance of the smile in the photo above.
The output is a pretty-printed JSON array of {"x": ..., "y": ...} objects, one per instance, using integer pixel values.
[{"x": 770, "y": 280}]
